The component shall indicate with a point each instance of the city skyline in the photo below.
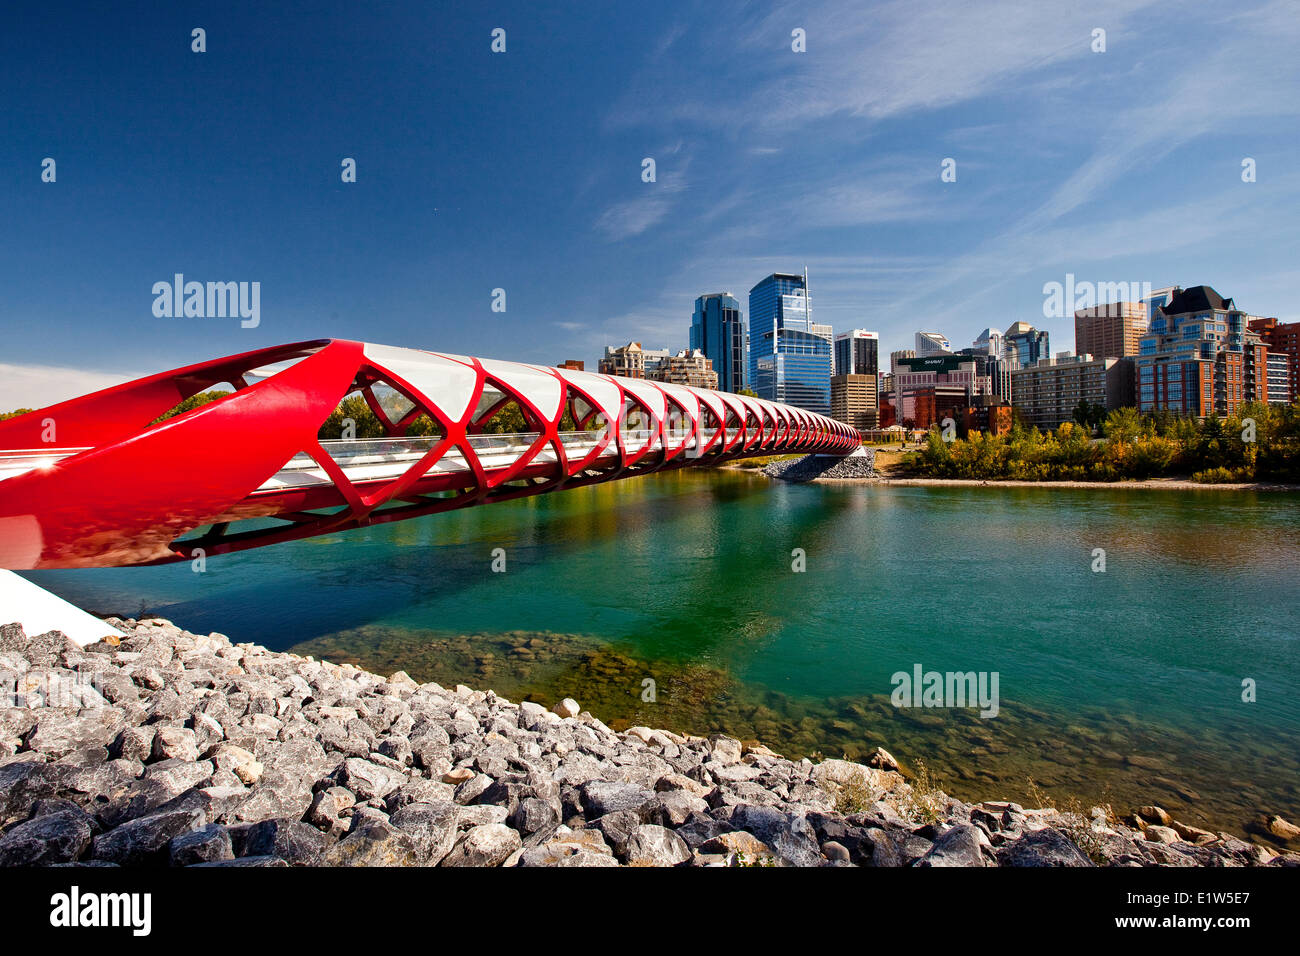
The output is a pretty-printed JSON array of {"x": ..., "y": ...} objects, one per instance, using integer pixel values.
[{"x": 1117, "y": 165}]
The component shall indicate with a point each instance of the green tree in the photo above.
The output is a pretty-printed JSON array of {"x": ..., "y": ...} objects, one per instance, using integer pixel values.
[
  {"x": 1122, "y": 425},
  {"x": 365, "y": 422},
  {"x": 189, "y": 404}
]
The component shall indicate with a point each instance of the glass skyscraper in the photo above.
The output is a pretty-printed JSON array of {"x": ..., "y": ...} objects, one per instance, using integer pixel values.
[
  {"x": 1025, "y": 345},
  {"x": 789, "y": 361},
  {"x": 718, "y": 330}
]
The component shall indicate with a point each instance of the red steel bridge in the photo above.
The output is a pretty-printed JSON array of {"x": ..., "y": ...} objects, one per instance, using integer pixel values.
[{"x": 101, "y": 481}]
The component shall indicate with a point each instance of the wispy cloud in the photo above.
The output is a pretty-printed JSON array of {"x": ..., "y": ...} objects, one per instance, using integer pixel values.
[
  {"x": 874, "y": 62},
  {"x": 36, "y": 386},
  {"x": 631, "y": 217}
]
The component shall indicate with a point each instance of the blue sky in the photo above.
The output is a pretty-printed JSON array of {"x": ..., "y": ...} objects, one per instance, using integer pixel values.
[{"x": 522, "y": 170}]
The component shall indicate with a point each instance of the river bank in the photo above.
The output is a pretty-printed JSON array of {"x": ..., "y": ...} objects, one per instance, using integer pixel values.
[
  {"x": 870, "y": 469},
  {"x": 1156, "y": 484},
  {"x": 168, "y": 747}
]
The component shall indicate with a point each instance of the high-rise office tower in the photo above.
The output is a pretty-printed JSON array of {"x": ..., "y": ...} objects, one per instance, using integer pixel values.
[
  {"x": 1024, "y": 345},
  {"x": 857, "y": 353},
  {"x": 1110, "y": 330},
  {"x": 932, "y": 343},
  {"x": 718, "y": 330},
  {"x": 789, "y": 357}
]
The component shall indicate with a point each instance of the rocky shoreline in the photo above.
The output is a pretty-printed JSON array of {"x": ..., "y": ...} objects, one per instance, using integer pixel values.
[
  {"x": 171, "y": 748},
  {"x": 825, "y": 468}
]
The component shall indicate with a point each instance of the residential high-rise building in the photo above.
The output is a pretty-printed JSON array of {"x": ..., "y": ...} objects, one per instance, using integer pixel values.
[
  {"x": 631, "y": 360},
  {"x": 1282, "y": 338},
  {"x": 1111, "y": 330},
  {"x": 685, "y": 368},
  {"x": 1048, "y": 392},
  {"x": 789, "y": 357},
  {"x": 718, "y": 330},
  {"x": 1200, "y": 358},
  {"x": 857, "y": 353},
  {"x": 1153, "y": 301},
  {"x": 854, "y": 400},
  {"x": 1025, "y": 345},
  {"x": 1281, "y": 387},
  {"x": 932, "y": 343}
]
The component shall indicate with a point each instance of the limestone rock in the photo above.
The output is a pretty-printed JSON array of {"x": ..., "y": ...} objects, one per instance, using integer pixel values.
[
  {"x": 487, "y": 845},
  {"x": 962, "y": 845},
  {"x": 651, "y": 845}
]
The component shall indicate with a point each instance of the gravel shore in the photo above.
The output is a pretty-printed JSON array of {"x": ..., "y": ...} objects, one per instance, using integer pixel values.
[{"x": 171, "y": 748}]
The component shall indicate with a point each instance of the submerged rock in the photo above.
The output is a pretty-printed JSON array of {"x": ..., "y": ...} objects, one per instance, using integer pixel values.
[{"x": 200, "y": 752}]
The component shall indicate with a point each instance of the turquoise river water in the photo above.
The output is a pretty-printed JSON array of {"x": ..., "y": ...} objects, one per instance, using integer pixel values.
[{"x": 672, "y": 601}]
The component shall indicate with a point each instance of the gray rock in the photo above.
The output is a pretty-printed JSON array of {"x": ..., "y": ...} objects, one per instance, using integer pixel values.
[
  {"x": 480, "y": 814},
  {"x": 145, "y": 840},
  {"x": 600, "y": 798},
  {"x": 617, "y": 828},
  {"x": 59, "y": 731},
  {"x": 295, "y": 842},
  {"x": 564, "y": 855},
  {"x": 532, "y": 815},
  {"x": 676, "y": 807},
  {"x": 1046, "y": 847},
  {"x": 724, "y": 750},
  {"x": 59, "y": 837},
  {"x": 469, "y": 791},
  {"x": 51, "y": 649},
  {"x": 272, "y": 799},
  {"x": 651, "y": 845},
  {"x": 432, "y": 827},
  {"x": 962, "y": 845},
  {"x": 430, "y": 747},
  {"x": 836, "y": 852},
  {"x": 397, "y": 749},
  {"x": 23, "y": 782},
  {"x": 248, "y": 861},
  {"x": 209, "y": 844},
  {"x": 419, "y": 790},
  {"x": 134, "y": 743},
  {"x": 367, "y": 780},
  {"x": 789, "y": 835},
  {"x": 374, "y": 843},
  {"x": 487, "y": 845},
  {"x": 175, "y": 743}
]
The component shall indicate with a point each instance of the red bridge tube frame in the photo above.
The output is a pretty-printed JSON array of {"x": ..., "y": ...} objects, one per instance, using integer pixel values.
[{"x": 92, "y": 483}]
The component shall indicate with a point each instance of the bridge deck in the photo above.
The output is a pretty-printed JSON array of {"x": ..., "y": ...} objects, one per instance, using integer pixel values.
[{"x": 383, "y": 459}]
